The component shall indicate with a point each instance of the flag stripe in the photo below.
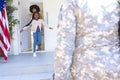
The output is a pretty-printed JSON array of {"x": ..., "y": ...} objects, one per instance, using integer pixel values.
[
  {"x": 3, "y": 54},
  {"x": 5, "y": 31},
  {"x": 3, "y": 51},
  {"x": 2, "y": 40},
  {"x": 3, "y": 13}
]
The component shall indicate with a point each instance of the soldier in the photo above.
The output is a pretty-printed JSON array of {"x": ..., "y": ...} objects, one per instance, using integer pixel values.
[{"x": 88, "y": 41}]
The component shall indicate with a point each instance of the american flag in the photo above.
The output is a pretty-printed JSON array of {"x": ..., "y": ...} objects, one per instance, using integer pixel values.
[{"x": 4, "y": 31}]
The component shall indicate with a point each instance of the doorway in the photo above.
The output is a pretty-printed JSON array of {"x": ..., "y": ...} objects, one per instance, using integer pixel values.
[{"x": 49, "y": 11}]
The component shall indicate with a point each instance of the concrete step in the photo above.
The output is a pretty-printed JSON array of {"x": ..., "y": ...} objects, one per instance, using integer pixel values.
[
  {"x": 26, "y": 67},
  {"x": 31, "y": 69},
  {"x": 37, "y": 76}
]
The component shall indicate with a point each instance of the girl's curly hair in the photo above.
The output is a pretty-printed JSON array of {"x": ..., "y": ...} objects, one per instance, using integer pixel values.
[{"x": 34, "y": 7}]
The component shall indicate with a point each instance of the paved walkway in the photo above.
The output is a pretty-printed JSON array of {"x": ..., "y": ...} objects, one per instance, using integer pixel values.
[{"x": 26, "y": 67}]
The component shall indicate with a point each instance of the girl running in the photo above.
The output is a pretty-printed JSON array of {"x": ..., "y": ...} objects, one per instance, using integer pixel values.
[{"x": 36, "y": 26}]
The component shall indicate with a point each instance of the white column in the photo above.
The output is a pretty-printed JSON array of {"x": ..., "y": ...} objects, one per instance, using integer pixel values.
[{"x": 16, "y": 41}]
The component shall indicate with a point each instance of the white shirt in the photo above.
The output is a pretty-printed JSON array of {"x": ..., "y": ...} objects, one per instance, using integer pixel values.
[{"x": 35, "y": 23}]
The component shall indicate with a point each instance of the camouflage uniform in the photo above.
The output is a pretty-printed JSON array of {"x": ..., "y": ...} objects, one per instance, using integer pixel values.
[{"x": 88, "y": 41}]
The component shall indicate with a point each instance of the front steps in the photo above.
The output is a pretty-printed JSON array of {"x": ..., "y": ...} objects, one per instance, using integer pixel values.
[{"x": 26, "y": 67}]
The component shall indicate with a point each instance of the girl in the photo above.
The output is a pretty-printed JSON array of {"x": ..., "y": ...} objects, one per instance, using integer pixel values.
[
  {"x": 33, "y": 9},
  {"x": 36, "y": 25}
]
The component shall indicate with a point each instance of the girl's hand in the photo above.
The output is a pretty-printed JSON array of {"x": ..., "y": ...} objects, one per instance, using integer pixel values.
[
  {"x": 50, "y": 28},
  {"x": 21, "y": 30}
]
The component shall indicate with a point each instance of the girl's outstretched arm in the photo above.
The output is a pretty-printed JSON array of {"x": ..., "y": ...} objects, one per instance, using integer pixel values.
[
  {"x": 24, "y": 28},
  {"x": 46, "y": 25}
]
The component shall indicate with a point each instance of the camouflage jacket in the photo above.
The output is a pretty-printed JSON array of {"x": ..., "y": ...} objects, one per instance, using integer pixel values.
[{"x": 87, "y": 46}]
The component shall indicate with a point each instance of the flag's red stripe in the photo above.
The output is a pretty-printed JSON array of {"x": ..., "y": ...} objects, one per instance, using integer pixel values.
[
  {"x": 3, "y": 13},
  {"x": 5, "y": 31},
  {"x": 3, "y": 54},
  {"x": 2, "y": 40},
  {"x": 6, "y": 25},
  {"x": 7, "y": 34}
]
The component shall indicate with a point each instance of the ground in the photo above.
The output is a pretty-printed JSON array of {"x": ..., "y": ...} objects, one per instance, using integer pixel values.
[{"x": 26, "y": 67}]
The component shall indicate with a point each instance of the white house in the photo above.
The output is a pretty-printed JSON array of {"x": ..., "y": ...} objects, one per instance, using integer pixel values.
[{"x": 22, "y": 41}]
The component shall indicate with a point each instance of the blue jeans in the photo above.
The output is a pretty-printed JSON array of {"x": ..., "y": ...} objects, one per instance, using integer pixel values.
[{"x": 37, "y": 37}]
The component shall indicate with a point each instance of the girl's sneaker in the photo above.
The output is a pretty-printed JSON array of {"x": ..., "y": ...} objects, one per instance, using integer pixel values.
[{"x": 34, "y": 55}]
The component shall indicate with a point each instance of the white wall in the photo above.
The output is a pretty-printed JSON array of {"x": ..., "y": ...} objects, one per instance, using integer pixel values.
[
  {"x": 51, "y": 11},
  {"x": 35, "y": 0}
]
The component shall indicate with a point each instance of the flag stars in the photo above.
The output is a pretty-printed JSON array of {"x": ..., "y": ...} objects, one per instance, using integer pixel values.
[{"x": 2, "y": 2}]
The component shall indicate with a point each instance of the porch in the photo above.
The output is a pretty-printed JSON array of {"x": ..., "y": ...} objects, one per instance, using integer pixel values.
[{"x": 26, "y": 67}]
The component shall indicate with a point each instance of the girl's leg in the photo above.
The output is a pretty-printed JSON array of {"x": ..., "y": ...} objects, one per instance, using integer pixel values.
[
  {"x": 34, "y": 43},
  {"x": 39, "y": 38},
  {"x": 39, "y": 45}
]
